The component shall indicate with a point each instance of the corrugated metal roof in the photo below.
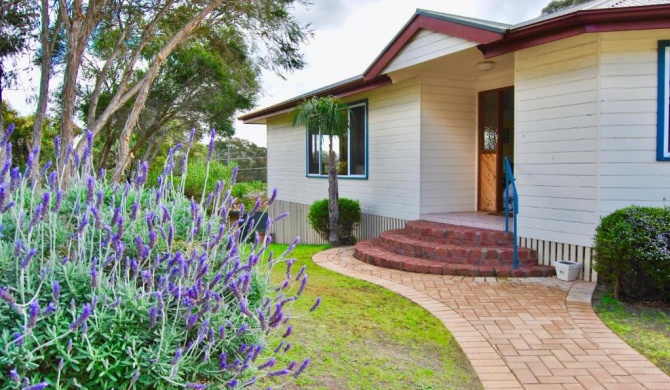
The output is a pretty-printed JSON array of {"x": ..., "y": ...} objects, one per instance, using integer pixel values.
[
  {"x": 592, "y": 5},
  {"x": 472, "y": 22}
]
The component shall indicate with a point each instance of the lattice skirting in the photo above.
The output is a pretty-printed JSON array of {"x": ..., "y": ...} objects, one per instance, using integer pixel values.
[
  {"x": 285, "y": 231},
  {"x": 549, "y": 252}
]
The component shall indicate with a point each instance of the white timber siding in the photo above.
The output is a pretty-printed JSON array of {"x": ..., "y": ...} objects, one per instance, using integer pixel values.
[
  {"x": 629, "y": 172},
  {"x": 557, "y": 140},
  {"x": 448, "y": 144},
  {"x": 392, "y": 189},
  {"x": 426, "y": 45}
]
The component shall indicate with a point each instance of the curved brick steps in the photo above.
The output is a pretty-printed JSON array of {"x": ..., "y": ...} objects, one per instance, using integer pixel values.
[
  {"x": 442, "y": 249},
  {"x": 399, "y": 242},
  {"x": 456, "y": 235},
  {"x": 373, "y": 253}
]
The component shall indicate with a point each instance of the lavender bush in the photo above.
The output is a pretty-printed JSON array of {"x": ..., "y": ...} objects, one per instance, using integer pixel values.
[{"x": 121, "y": 286}]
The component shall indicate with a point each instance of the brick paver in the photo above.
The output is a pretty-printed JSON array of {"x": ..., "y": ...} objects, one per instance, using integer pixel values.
[{"x": 530, "y": 333}]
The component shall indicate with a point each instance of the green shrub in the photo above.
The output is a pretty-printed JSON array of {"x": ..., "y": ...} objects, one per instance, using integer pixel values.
[
  {"x": 197, "y": 174},
  {"x": 350, "y": 215},
  {"x": 632, "y": 248},
  {"x": 248, "y": 192}
]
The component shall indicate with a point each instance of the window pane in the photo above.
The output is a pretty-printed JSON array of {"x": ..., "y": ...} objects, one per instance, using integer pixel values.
[
  {"x": 325, "y": 142},
  {"x": 357, "y": 148},
  {"x": 313, "y": 148},
  {"x": 343, "y": 155}
]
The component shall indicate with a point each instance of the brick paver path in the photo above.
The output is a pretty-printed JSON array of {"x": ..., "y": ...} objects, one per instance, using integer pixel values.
[{"x": 532, "y": 333}]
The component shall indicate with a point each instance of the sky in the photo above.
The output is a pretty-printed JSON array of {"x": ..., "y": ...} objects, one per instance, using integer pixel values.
[{"x": 348, "y": 36}]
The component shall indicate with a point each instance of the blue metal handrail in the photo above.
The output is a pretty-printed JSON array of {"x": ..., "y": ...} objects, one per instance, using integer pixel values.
[{"x": 509, "y": 179}]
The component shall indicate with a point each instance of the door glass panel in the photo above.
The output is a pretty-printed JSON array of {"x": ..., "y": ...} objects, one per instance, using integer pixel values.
[{"x": 490, "y": 121}]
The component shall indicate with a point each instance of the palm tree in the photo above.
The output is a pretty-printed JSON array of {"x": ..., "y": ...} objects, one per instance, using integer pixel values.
[{"x": 328, "y": 116}]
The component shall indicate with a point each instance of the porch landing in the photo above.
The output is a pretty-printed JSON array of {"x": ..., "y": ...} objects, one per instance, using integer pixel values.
[{"x": 472, "y": 219}]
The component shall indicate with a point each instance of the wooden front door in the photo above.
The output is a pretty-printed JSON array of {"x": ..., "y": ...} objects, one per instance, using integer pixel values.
[{"x": 496, "y": 140}]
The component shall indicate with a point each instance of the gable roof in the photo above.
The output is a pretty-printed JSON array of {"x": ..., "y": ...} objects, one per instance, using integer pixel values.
[
  {"x": 494, "y": 39},
  {"x": 475, "y": 30}
]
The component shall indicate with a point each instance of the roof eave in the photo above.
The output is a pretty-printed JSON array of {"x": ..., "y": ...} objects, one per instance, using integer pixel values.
[
  {"x": 564, "y": 26},
  {"x": 341, "y": 90}
]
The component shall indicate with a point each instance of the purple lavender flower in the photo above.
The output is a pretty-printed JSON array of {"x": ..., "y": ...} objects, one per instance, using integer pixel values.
[
  {"x": 198, "y": 386},
  {"x": 85, "y": 313},
  {"x": 27, "y": 258},
  {"x": 52, "y": 179},
  {"x": 177, "y": 356},
  {"x": 94, "y": 276},
  {"x": 18, "y": 338},
  {"x": 316, "y": 304},
  {"x": 191, "y": 137},
  {"x": 191, "y": 320},
  {"x": 302, "y": 286},
  {"x": 51, "y": 307},
  {"x": 153, "y": 315},
  {"x": 223, "y": 360},
  {"x": 59, "y": 199},
  {"x": 135, "y": 377},
  {"x": 289, "y": 330},
  {"x": 272, "y": 197},
  {"x": 210, "y": 147},
  {"x": 302, "y": 368},
  {"x": 8, "y": 133},
  {"x": 33, "y": 312},
  {"x": 57, "y": 144},
  {"x": 14, "y": 376},
  {"x": 278, "y": 373},
  {"x": 7, "y": 296},
  {"x": 39, "y": 386},
  {"x": 232, "y": 384},
  {"x": 15, "y": 179}
]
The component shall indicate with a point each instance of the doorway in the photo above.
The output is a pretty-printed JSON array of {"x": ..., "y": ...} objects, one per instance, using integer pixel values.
[{"x": 496, "y": 141}]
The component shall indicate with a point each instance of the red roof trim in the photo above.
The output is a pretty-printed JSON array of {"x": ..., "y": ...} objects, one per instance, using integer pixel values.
[
  {"x": 424, "y": 22},
  {"x": 347, "y": 89},
  {"x": 589, "y": 21}
]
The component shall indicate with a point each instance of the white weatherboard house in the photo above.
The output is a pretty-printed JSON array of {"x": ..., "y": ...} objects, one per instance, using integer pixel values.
[{"x": 578, "y": 102}]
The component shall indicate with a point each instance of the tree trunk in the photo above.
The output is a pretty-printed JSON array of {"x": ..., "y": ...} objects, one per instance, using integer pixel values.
[
  {"x": 107, "y": 147},
  {"x": 333, "y": 199},
  {"x": 45, "y": 76}
]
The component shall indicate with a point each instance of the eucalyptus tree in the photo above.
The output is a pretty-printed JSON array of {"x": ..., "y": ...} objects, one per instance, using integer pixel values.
[
  {"x": 141, "y": 37},
  {"x": 326, "y": 116},
  {"x": 202, "y": 85}
]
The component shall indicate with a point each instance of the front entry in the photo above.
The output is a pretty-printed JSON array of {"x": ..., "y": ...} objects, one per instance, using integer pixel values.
[{"x": 496, "y": 141}]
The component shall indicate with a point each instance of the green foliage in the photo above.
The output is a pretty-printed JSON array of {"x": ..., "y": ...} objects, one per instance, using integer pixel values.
[
  {"x": 248, "y": 192},
  {"x": 21, "y": 138},
  {"x": 197, "y": 175},
  {"x": 559, "y": 5},
  {"x": 632, "y": 248},
  {"x": 350, "y": 215},
  {"x": 325, "y": 115}
]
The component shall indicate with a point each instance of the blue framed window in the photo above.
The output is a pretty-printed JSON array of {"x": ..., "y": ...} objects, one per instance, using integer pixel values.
[
  {"x": 351, "y": 149},
  {"x": 663, "y": 123}
]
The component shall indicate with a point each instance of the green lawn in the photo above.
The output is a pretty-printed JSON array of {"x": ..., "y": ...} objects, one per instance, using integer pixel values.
[
  {"x": 365, "y": 337},
  {"x": 643, "y": 328}
]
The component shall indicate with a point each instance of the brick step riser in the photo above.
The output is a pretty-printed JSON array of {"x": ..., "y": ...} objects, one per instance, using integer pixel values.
[
  {"x": 473, "y": 255},
  {"x": 470, "y": 237},
  {"x": 437, "y": 268}
]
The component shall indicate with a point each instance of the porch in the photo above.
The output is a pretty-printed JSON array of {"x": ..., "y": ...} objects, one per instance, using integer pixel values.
[{"x": 481, "y": 220}]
